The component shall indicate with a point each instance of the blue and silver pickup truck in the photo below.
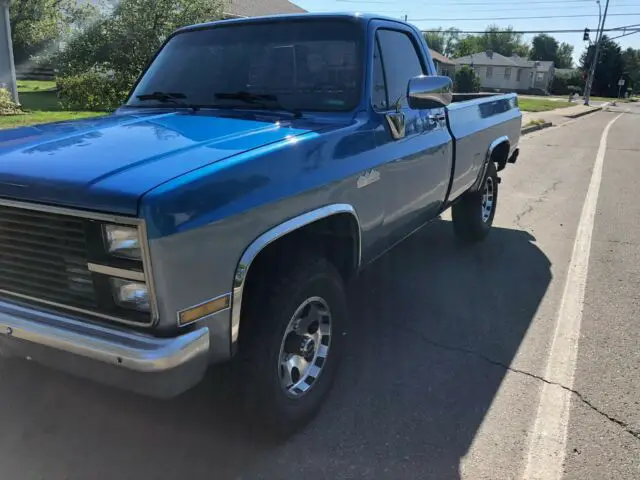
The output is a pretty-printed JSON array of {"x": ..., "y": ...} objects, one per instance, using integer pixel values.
[{"x": 257, "y": 165}]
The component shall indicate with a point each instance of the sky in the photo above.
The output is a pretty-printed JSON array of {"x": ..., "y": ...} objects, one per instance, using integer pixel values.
[{"x": 478, "y": 14}]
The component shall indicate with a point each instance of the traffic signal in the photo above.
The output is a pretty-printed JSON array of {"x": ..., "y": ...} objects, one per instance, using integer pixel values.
[{"x": 585, "y": 37}]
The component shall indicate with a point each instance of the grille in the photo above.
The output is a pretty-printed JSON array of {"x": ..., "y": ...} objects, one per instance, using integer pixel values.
[{"x": 44, "y": 256}]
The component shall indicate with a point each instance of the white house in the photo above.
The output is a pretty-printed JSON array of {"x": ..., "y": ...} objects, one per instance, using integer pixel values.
[{"x": 517, "y": 74}]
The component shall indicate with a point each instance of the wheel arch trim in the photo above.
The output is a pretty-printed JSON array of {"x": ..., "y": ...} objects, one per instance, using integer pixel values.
[
  {"x": 492, "y": 147},
  {"x": 270, "y": 236}
]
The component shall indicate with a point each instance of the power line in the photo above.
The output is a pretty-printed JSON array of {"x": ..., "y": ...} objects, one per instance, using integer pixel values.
[
  {"x": 378, "y": 2},
  {"x": 633, "y": 28},
  {"x": 556, "y": 7},
  {"x": 517, "y": 18}
]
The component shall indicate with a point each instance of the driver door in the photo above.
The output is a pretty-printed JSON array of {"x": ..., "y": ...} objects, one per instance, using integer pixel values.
[{"x": 416, "y": 143}]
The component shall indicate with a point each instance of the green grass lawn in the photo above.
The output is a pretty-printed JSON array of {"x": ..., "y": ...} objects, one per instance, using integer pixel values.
[
  {"x": 541, "y": 104},
  {"x": 40, "y": 101}
]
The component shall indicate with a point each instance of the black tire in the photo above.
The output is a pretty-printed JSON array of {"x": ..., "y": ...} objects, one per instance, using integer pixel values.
[
  {"x": 258, "y": 372},
  {"x": 470, "y": 222}
]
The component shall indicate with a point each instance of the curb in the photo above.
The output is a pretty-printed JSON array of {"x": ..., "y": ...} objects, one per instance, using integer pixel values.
[
  {"x": 587, "y": 112},
  {"x": 535, "y": 128}
]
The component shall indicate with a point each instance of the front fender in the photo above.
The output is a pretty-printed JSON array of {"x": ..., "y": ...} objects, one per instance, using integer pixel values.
[{"x": 270, "y": 236}]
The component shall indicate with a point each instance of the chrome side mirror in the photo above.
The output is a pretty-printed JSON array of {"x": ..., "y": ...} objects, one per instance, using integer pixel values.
[{"x": 427, "y": 92}]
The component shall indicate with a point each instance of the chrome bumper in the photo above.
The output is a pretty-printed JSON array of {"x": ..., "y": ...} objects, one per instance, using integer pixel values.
[{"x": 161, "y": 367}]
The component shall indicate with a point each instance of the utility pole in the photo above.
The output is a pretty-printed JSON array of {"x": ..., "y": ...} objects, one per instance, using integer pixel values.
[
  {"x": 592, "y": 69},
  {"x": 7, "y": 67}
]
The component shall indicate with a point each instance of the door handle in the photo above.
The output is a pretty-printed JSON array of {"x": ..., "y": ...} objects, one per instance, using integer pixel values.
[{"x": 437, "y": 117}]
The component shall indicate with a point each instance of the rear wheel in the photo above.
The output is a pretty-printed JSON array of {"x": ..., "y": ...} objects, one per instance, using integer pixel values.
[
  {"x": 291, "y": 344},
  {"x": 473, "y": 214}
]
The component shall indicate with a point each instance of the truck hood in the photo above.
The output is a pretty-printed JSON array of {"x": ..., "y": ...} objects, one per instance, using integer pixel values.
[{"x": 107, "y": 164}]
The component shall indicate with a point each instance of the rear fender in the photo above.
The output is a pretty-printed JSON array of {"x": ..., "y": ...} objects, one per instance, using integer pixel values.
[{"x": 495, "y": 146}]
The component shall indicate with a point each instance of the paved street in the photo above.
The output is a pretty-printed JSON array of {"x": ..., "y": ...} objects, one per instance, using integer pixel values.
[{"x": 448, "y": 355}]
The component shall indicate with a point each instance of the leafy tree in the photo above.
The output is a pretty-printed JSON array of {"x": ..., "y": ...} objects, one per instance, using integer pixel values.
[
  {"x": 39, "y": 26},
  {"x": 500, "y": 40},
  {"x": 503, "y": 41},
  {"x": 466, "y": 80},
  {"x": 631, "y": 58},
  {"x": 120, "y": 44},
  {"x": 564, "y": 57},
  {"x": 466, "y": 46},
  {"x": 545, "y": 47},
  {"x": 443, "y": 41},
  {"x": 609, "y": 69}
]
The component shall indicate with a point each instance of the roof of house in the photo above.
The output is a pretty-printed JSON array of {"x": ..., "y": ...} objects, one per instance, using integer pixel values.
[
  {"x": 497, "y": 60},
  {"x": 482, "y": 58},
  {"x": 541, "y": 65},
  {"x": 438, "y": 57},
  {"x": 255, "y": 8}
]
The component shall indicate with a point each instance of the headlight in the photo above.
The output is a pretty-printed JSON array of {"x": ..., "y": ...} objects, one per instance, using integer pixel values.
[
  {"x": 130, "y": 294},
  {"x": 122, "y": 241}
]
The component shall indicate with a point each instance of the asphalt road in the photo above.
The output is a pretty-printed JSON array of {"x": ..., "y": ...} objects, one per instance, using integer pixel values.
[{"x": 448, "y": 352}]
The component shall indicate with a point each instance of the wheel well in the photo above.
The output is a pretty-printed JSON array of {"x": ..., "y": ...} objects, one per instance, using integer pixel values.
[
  {"x": 500, "y": 154},
  {"x": 337, "y": 237}
]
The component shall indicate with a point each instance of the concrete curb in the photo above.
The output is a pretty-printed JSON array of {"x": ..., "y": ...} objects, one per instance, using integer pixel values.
[
  {"x": 586, "y": 112},
  {"x": 535, "y": 128}
]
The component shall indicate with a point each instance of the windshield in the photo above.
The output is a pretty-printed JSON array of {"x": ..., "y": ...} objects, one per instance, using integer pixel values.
[{"x": 304, "y": 65}]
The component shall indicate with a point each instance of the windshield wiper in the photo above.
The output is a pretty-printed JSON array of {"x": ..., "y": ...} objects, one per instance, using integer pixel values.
[
  {"x": 168, "y": 97},
  {"x": 265, "y": 100}
]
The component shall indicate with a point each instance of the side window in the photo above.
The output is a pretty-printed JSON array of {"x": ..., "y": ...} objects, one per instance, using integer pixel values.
[
  {"x": 401, "y": 63},
  {"x": 379, "y": 94}
]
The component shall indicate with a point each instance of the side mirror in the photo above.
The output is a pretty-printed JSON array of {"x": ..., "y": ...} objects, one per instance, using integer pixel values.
[{"x": 427, "y": 92}]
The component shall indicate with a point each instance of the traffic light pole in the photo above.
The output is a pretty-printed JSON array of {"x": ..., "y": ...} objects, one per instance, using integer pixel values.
[{"x": 592, "y": 68}]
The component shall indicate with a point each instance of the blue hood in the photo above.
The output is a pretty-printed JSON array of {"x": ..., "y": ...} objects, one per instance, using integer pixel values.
[{"x": 107, "y": 164}]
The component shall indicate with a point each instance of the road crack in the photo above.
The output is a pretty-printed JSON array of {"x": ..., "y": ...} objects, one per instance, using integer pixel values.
[
  {"x": 530, "y": 206},
  {"x": 625, "y": 426}
]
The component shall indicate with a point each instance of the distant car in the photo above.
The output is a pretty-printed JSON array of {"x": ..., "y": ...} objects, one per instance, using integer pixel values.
[{"x": 257, "y": 165}]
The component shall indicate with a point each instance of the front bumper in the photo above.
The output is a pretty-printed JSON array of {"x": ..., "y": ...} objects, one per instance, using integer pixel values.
[{"x": 160, "y": 367}]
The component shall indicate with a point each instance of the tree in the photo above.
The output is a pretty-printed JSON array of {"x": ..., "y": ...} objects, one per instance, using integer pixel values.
[
  {"x": 631, "y": 59},
  {"x": 609, "y": 69},
  {"x": 564, "y": 57},
  {"x": 466, "y": 46},
  {"x": 499, "y": 40},
  {"x": 546, "y": 48},
  {"x": 466, "y": 80},
  {"x": 120, "y": 44},
  {"x": 39, "y": 26},
  {"x": 443, "y": 41},
  {"x": 503, "y": 41}
]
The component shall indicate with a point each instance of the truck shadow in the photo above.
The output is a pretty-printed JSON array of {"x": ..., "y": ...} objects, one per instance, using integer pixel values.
[{"x": 414, "y": 389}]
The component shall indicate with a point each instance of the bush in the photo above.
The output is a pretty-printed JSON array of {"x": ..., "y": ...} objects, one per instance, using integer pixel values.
[
  {"x": 92, "y": 91},
  {"x": 7, "y": 105},
  {"x": 559, "y": 86},
  {"x": 466, "y": 81}
]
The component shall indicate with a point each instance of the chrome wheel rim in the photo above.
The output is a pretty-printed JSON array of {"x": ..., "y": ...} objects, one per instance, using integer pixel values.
[
  {"x": 305, "y": 346},
  {"x": 488, "y": 198}
]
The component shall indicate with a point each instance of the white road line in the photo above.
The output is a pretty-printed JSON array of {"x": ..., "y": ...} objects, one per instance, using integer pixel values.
[{"x": 548, "y": 440}]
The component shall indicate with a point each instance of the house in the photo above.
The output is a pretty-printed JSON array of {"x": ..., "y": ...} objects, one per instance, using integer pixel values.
[
  {"x": 256, "y": 8},
  {"x": 543, "y": 72},
  {"x": 515, "y": 74},
  {"x": 444, "y": 66}
]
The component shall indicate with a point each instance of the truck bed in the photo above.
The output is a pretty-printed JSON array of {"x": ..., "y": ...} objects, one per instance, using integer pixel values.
[{"x": 476, "y": 121}]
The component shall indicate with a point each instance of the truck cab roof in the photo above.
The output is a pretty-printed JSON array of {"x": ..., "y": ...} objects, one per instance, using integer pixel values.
[{"x": 355, "y": 16}]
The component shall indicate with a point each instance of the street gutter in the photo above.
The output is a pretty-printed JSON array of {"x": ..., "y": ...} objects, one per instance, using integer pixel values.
[{"x": 535, "y": 128}]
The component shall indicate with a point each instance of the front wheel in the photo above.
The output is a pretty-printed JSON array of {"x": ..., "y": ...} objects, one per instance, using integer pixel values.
[
  {"x": 473, "y": 214},
  {"x": 291, "y": 345}
]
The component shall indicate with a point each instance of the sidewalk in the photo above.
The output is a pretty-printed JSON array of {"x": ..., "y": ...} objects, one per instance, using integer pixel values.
[{"x": 560, "y": 115}]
